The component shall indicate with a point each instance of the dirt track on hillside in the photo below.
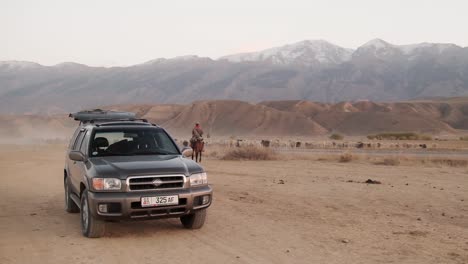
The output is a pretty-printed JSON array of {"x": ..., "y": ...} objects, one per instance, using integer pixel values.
[{"x": 321, "y": 214}]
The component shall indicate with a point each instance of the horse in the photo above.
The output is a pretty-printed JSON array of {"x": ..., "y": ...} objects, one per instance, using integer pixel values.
[{"x": 197, "y": 147}]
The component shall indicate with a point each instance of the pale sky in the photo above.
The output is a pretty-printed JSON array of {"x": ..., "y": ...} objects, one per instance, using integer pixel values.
[{"x": 120, "y": 33}]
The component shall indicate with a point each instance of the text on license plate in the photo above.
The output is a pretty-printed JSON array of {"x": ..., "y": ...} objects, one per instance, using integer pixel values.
[{"x": 159, "y": 200}]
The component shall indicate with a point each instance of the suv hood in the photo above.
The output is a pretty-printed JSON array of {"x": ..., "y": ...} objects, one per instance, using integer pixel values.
[{"x": 123, "y": 166}]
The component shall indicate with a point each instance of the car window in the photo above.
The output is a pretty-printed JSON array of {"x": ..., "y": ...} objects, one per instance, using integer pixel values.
[
  {"x": 163, "y": 140},
  {"x": 73, "y": 139},
  {"x": 78, "y": 140},
  {"x": 84, "y": 143},
  {"x": 132, "y": 141}
]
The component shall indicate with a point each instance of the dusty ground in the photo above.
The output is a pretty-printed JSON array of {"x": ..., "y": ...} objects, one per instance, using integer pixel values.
[{"x": 418, "y": 214}]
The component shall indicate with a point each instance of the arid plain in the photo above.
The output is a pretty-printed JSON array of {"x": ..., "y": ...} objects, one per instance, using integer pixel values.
[{"x": 301, "y": 208}]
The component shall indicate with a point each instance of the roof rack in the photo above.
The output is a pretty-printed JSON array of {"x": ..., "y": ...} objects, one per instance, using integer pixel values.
[
  {"x": 122, "y": 122},
  {"x": 99, "y": 115}
]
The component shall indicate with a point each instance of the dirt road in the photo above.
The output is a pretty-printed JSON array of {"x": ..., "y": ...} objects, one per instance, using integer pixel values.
[{"x": 321, "y": 214}]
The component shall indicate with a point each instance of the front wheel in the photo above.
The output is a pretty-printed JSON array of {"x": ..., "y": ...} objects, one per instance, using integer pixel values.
[
  {"x": 90, "y": 226},
  {"x": 195, "y": 220}
]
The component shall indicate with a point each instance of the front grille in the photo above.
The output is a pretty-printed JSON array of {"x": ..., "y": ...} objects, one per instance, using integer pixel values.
[{"x": 157, "y": 182}]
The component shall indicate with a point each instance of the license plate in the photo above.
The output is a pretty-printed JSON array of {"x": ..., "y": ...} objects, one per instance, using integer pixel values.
[{"x": 159, "y": 200}]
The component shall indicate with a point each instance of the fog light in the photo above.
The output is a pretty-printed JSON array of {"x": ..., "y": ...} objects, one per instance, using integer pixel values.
[
  {"x": 102, "y": 208},
  {"x": 205, "y": 199}
]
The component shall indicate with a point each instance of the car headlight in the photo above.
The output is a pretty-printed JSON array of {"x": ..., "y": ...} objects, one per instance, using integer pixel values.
[
  {"x": 106, "y": 184},
  {"x": 198, "y": 179}
]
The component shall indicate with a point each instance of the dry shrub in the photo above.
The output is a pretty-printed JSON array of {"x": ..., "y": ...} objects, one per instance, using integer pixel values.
[
  {"x": 213, "y": 154},
  {"x": 389, "y": 162},
  {"x": 326, "y": 157},
  {"x": 336, "y": 136},
  {"x": 400, "y": 136},
  {"x": 250, "y": 153},
  {"x": 346, "y": 157},
  {"x": 450, "y": 162},
  {"x": 215, "y": 151}
]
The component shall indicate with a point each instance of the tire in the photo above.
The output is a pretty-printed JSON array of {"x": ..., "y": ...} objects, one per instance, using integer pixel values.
[
  {"x": 195, "y": 220},
  {"x": 70, "y": 205},
  {"x": 90, "y": 226}
]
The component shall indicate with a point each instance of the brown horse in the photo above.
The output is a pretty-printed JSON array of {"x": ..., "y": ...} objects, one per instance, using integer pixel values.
[{"x": 197, "y": 147}]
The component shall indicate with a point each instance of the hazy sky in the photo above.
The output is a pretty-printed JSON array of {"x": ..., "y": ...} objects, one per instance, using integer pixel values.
[{"x": 118, "y": 32}]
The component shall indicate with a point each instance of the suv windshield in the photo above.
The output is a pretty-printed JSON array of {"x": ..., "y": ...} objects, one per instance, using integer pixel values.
[{"x": 131, "y": 141}]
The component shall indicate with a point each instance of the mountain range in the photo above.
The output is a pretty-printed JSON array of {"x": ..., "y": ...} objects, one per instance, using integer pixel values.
[{"x": 313, "y": 70}]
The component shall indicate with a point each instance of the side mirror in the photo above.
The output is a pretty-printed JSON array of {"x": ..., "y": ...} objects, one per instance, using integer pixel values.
[
  {"x": 187, "y": 152},
  {"x": 76, "y": 156}
]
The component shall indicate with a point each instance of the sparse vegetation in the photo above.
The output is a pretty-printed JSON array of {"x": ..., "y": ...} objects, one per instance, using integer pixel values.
[
  {"x": 464, "y": 138},
  {"x": 336, "y": 136},
  {"x": 389, "y": 162},
  {"x": 449, "y": 162},
  {"x": 346, "y": 157},
  {"x": 402, "y": 160},
  {"x": 425, "y": 137},
  {"x": 250, "y": 153},
  {"x": 400, "y": 136}
]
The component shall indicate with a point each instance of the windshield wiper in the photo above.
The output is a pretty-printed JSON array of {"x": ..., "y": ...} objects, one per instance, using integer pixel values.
[
  {"x": 151, "y": 152},
  {"x": 110, "y": 153}
]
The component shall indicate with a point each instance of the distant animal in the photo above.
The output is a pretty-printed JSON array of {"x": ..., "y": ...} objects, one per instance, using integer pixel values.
[
  {"x": 197, "y": 147},
  {"x": 359, "y": 145},
  {"x": 298, "y": 144},
  {"x": 238, "y": 143},
  {"x": 266, "y": 143},
  {"x": 275, "y": 144},
  {"x": 423, "y": 146}
]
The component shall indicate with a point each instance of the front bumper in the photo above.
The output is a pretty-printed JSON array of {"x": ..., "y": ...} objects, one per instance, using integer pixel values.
[{"x": 127, "y": 205}]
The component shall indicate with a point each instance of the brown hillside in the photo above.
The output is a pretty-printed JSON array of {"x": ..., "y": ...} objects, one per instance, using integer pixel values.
[
  {"x": 307, "y": 108},
  {"x": 452, "y": 112},
  {"x": 226, "y": 117},
  {"x": 363, "y": 123},
  {"x": 368, "y": 106},
  {"x": 363, "y": 117},
  {"x": 155, "y": 113},
  {"x": 271, "y": 118}
]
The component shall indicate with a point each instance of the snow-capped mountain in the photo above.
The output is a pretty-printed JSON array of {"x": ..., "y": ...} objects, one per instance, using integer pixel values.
[
  {"x": 379, "y": 44},
  {"x": 321, "y": 52},
  {"x": 178, "y": 59},
  {"x": 312, "y": 70},
  {"x": 16, "y": 65},
  {"x": 381, "y": 49},
  {"x": 304, "y": 53}
]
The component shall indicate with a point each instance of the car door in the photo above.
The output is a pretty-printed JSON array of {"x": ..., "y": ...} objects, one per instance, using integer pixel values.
[{"x": 74, "y": 167}]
